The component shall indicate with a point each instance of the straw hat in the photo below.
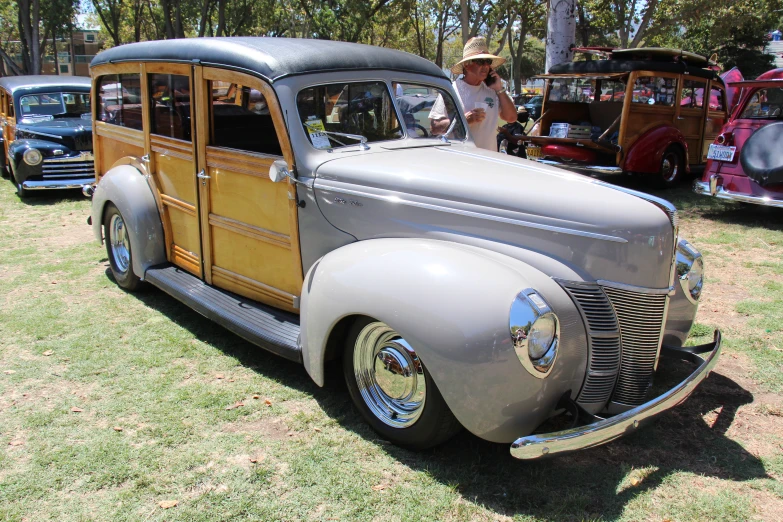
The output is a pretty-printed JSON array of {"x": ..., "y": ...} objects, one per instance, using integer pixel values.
[{"x": 475, "y": 49}]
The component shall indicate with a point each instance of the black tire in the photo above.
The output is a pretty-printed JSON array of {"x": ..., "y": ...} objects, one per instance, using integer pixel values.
[
  {"x": 118, "y": 249},
  {"x": 672, "y": 169},
  {"x": 5, "y": 169},
  {"x": 434, "y": 423},
  {"x": 20, "y": 190}
]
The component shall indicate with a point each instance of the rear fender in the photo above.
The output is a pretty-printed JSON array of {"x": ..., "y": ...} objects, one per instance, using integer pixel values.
[
  {"x": 451, "y": 302},
  {"x": 127, "y": 187},
  {"x": 646, "y": 153}
]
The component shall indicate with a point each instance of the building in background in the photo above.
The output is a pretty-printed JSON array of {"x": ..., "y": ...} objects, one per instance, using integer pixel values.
[{"x": 74, "y": 53}]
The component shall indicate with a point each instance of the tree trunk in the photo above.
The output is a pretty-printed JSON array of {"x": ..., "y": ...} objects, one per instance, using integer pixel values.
[
  {"x": 560, "y": 32},
  {"x": 54, "y": 48},
  {"x": 166, "y": 5},
  {"x": 221, "y": 17}
]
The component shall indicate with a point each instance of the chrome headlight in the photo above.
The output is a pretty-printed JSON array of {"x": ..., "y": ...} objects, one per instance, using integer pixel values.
[
  {"x": 690, "y": 270},
  {"x": 535, "y": 332},
  {"x": 32, "y": 157}
]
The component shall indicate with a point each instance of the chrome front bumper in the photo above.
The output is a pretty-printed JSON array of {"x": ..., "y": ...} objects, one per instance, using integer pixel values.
[
  {"x": 582, "y": 169},
  {"x": 56, "y": 185},
  {"x": 704, "y": 188},
  {"x": 583, "y": 437}
]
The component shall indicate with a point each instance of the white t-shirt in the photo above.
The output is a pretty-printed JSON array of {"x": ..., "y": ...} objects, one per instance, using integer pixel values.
[{"x": 485, "y": 133}]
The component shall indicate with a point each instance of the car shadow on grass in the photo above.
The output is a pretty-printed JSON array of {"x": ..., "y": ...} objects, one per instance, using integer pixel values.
[
  {"x": 594, "y": 483},
  {"x": 43, "y": 198}
]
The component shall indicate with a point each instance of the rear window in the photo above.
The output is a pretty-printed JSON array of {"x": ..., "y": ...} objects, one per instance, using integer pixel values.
[{"x": 764, "y": 104}]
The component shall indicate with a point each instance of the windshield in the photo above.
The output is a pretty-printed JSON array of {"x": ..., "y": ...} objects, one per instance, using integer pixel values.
[
  {"x": 362, "y": 109},
  {"x": 63, "y": 104},
  {"x": 765, "y": 104},
  {"x": 427, "y": 111}
]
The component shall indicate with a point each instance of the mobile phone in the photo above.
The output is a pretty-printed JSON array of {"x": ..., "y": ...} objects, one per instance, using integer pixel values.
[{"x": 489, "y": 79}]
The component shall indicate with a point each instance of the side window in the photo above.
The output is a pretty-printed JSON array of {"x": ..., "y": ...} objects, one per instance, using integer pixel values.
[
  {"x": 119, "y": 100},
  {"x": 717, "y": 100},
  {"x": 654, "y": 90},
  {"x": 170, "y": 105},
  {"x": 241, "y": 119},
  {"x": 692, "y": 95},
  {"x": 612, "y": 91},
  {"x": 10, "y": 100}
]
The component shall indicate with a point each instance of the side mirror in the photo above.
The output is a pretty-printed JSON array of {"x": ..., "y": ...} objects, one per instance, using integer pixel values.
[{"x": 278, "y": 171}]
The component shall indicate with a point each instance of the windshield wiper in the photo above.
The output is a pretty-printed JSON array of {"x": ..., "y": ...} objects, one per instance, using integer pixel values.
[{"x": 358, "y": 137}]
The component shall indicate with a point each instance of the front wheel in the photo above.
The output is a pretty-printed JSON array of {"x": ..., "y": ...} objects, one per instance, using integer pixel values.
[
  {"x": 393, "y": 390},
  {"x": 20, "y": 190},
  {"x": 118, "y": 248}
]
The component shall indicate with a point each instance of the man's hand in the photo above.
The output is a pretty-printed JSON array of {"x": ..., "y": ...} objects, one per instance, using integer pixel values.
[
  {"x": 497, "y": 84},
  {"x": 475, "y": 116}
]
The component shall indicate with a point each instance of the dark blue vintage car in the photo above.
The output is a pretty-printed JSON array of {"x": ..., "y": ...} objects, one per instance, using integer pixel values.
[{"x": 47, "y": 132}]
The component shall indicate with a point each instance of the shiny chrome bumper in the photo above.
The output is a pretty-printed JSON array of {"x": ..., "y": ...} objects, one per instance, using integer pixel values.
[
  {"x": 582, "y": 169},
  {"x": 56, "y": 184},
  {"x": 704, "y": 188},
  {"x": 606, "y": 430}
]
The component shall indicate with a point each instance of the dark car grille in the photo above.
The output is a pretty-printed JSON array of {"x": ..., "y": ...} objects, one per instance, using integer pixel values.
[
  {"x": 624, "y": 333},
  {"x": 81, "y": 167}
]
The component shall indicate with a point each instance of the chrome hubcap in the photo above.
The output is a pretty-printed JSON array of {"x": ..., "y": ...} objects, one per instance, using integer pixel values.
[
  {"x": 670, "y": 167},
  {"x": 120, "y": 245},
  {"x": 390, "y": 376}
]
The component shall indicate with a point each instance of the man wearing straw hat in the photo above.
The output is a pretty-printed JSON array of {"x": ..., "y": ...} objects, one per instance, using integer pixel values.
[{"x": 481, "y": 103}]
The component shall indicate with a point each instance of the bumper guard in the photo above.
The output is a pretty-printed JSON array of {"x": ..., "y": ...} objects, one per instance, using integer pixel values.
[
  {"x": 606, "y": 430},
  {"x": 705, "y": 188}
]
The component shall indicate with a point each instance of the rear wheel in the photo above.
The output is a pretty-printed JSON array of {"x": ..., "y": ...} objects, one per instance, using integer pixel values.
[
  {"x": 672, "y": 167},
  {"x": 118, "y": 248},
  {"x": 392, "y": 389}
]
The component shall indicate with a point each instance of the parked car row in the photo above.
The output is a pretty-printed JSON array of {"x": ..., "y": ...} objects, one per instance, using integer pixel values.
[{"x": 291, "y": 191}]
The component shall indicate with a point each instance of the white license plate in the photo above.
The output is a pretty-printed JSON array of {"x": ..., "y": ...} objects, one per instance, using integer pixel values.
[{"x": 721, "y": 153}]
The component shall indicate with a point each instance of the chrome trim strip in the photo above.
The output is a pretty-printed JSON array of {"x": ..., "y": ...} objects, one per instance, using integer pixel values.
[
  {"x": 38, "y": 133},
  {"x": 607, "y": 430},
  {"x": 84, "y": 156},
  {"x": 586, "y": 169},
  {"x": 480, "y": 215},
  {"x": 703, "y": 188},
  {"x": 55, "y": 185},
  {"x": 637, "y": 289}
]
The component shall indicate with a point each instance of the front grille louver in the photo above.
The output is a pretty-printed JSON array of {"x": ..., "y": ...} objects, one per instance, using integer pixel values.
[
  {"x": 55, "y": 169},
  {"x": 624, "y": 331}
]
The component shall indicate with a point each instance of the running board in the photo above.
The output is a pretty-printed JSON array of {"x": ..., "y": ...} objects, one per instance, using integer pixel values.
[{"x": 262, "y": 325}]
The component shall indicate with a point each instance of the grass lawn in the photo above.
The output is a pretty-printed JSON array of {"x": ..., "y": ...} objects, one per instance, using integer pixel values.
[{"x": 117, "y": 406}]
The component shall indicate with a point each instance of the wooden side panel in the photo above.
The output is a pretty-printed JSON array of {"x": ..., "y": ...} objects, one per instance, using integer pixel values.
[
  {"x": 112, "y": 143},
  {"x": 690, "y": 124},
  {"x": 175, "y": 178},
  {"x": 642, "y": 118}
]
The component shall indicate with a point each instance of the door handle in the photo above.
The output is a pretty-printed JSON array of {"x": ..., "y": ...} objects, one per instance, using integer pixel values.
[
  {"x": 145, "y": 158},
  {"x": 203, "y": 175}
]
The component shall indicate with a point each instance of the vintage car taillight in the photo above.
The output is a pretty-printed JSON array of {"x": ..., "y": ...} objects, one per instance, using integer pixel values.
[{"x": 726, "y": 138}]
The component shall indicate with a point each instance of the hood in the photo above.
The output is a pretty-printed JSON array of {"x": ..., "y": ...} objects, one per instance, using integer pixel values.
[
  {"x": 458, "y": 191},
  {"x": 73, "y": 133}
]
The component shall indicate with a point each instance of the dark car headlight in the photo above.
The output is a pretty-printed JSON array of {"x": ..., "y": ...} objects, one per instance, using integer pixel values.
[
  {"x": 535, "y": 332},
  {"x": 690, "y": 270}
]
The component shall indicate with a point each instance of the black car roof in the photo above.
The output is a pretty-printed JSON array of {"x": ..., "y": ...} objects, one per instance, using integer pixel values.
[
  {"x": 622, "y": 66},
  {"x": 44, "y": 82},
  {"x": 271, "y": 58}
]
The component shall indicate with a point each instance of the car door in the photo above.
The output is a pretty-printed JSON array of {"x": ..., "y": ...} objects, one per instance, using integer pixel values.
[
  {"x": 717, "y": 114},
  {"x": 249, "y": 231},
  {"x": 690, "y": 115},
  {"x": 8, "y": 120}
]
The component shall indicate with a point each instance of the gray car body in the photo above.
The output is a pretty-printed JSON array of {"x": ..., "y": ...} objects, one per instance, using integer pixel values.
[{"x": 436, "y": 239}]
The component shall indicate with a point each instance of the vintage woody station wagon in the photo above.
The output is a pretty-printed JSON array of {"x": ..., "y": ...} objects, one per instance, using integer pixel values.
[{"x": 277, "y": 187}]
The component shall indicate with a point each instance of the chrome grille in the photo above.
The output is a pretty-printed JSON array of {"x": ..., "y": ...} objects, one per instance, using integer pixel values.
[
  {"x": 641, "y": 317},
  {"x": 603, "y": 340},
  {"x": 78, "y": 167}
]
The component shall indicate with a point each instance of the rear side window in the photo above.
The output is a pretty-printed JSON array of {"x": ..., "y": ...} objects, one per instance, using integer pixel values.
[
  {"x": 573, "y": 90},
  {"x": 692, "y": 95},
  {"x": 612, "y": 91},
  {"x": 241, "y": 119},
  {"x": 119, "y": 100},
  {"x": 170, "y": 105},
  {"x": 654, "y": 90}
]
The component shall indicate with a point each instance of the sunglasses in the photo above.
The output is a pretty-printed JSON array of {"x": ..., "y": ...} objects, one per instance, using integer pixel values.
[{"x": 482, "y": 61}]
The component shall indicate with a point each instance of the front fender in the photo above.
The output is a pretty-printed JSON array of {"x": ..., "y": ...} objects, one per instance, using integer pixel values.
[
  {"x": 645, "y": 154},
  {"x": 451, "y": 302},
  {"x": 127, "y": 188}
]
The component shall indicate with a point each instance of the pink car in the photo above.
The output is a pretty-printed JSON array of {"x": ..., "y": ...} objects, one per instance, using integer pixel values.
[{"x": 745, "y": 162}]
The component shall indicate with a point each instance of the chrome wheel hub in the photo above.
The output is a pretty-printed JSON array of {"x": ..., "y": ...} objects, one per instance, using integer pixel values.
[
  {"x": 390, "y": 376},
  {"x": 669, "y": 167},
  {"x": 119, "y": 242}
]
